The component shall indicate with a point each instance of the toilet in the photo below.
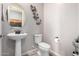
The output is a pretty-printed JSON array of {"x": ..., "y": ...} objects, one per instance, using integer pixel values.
[{"x": 42, "y": 46}]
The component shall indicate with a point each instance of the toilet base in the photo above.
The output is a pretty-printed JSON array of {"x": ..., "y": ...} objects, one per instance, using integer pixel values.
[{"x": 43, "y": 53}]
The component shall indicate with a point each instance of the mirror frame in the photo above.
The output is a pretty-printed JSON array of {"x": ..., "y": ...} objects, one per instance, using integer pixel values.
[{"x": 16, "y": 8}]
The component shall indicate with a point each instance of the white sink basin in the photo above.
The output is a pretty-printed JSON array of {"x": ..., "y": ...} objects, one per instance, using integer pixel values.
[
  {"x": 14, "y": 36},
  {"x": 17, "y": 38}
]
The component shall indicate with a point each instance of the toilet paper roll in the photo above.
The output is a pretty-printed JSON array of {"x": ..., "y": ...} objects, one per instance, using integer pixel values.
[{"x": 56, "y": 45}]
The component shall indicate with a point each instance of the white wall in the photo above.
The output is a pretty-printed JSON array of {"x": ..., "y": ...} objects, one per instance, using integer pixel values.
[
  {"x": 61, "y": 20},
  {"x": 78, "y": 16}
]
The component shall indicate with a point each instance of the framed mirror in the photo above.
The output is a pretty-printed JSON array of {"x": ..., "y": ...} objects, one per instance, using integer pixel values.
[{"x": 15, "y": 15}]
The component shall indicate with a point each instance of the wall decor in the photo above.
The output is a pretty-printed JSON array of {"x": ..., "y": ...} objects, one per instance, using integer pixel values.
[{"x": 35, "y": 15}]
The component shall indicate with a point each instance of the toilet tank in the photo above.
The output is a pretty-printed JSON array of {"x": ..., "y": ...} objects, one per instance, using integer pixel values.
[{"x": 37, "y": 38}]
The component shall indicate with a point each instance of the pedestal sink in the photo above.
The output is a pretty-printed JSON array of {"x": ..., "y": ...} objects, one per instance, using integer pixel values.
[{"x": 17, "y": 38}]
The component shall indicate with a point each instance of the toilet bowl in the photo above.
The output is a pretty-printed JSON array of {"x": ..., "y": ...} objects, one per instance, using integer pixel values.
[{"x": 42, "y": 46}]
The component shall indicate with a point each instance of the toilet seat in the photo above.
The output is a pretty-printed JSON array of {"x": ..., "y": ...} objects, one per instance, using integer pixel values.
[{"x": 44, "y": 46}]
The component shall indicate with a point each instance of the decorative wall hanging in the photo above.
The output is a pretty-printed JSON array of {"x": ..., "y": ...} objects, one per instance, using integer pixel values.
[{"x": 35, "y": 15}]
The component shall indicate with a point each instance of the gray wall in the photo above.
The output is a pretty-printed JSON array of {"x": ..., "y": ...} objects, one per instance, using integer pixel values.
[
  {"x": 30, "y": 27},
  {"x": 0, "y": 31},
  {"x": 61, "y": 20}
]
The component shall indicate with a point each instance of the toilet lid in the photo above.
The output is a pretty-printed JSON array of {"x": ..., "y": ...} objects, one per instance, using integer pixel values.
[{"x": 44, "y": 45}]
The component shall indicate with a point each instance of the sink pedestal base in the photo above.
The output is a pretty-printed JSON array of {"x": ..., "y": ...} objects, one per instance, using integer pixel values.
[{"x": 18, "y": 47}]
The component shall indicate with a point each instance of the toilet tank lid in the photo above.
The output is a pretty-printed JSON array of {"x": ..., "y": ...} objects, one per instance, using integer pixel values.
[
  {"x": 38, "y": 35},
  {"x": 44, "y": 45}
]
